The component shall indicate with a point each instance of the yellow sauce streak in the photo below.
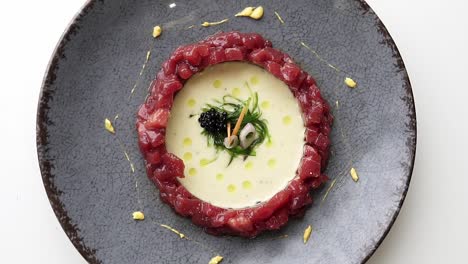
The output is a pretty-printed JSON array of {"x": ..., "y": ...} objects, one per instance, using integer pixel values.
[
  {"x": 320, "y": 58},
  {"x": 307, "y": 233},
  {"x": 148, "y": 55},
  {"x": 279, "y": 17},
  {"x": 208, "y": 24},
  {"x": 138, "y": 216},
  {"x": 173, "y": 230},
  {"x": 108, "y": 125},
  {"x": 126, "y": 155},
  {"x": 328, "y": 190},
  {"x": 354, "y": 174},
  {"x": 216, "y": 260}
]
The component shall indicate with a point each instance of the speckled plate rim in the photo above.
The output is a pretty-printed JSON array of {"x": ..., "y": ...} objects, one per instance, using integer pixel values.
[{"x": 41, "y": 133}]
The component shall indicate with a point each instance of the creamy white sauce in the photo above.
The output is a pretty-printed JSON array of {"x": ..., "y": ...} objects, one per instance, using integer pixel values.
[{"x": 243, "y": 183}]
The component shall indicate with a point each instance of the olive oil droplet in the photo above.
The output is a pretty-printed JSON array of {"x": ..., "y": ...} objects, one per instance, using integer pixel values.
[
  {"x": 187, "y": 142},
  {"x": 247, "y": 185},
  {"x": 217, "y": 84},
  {"x": 254, "y": 80},
  {"x": 231, "y": 188},
  {"x": 187, "y": 156},
  {"x": 192, "y": 172}
]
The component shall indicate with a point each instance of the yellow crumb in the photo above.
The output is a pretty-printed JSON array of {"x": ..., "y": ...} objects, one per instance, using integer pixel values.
[
  {"x": 350, "y": 82},
  {"x": 216, "y": 260},
  {"x": 257, "y": 13},
  {"x": 138, "y": 215},
  {"x": 354, "y": 174},
  {"x": 157, "y": 30},
  {"x": 246, "y": 12},
  {"x": 207, "y": 24},
  {"x": 307, "y": 233},
  {"x": 108, "y": 125}
]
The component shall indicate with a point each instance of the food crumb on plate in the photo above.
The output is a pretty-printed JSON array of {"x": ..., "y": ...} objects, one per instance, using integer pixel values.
[
  {"x": 307, "y": 233},
  {"x": 246, "y": 12},
  {"x": 138, "y": 215},
  {"x": 350, "y": 82},
  {"x": 354, "y": 174},
  {"x": 108, "y": 125},
  {"x": 252, "y": 12},
  {"x": 216, "y": 260},
  {"x": 157, "y": 30},
  {"x": 257, "y": 13}
]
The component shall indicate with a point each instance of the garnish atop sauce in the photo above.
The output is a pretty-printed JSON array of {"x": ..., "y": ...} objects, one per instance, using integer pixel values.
[
  {"x": 354, "y": 174},
  {"x": 350, "y": 82},
  {"x": 157, "y": 30},
  {"x": 108, "y": 125},
  {"x": 250, "y": 125},
  {"x": 216, "y": 260},
  {"x": 307, "y": 233},
  {"x": 138, "y": 216}
]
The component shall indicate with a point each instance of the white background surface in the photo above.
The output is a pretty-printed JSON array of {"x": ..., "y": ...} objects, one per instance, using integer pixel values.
[{"x": 433, "y": 39}]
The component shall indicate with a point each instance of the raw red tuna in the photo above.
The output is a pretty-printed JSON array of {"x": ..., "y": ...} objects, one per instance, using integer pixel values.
[{"x": 164, "y": 168}]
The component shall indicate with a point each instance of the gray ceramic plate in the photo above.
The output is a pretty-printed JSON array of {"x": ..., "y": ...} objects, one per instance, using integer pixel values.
[{"x": 96, "y": 65}]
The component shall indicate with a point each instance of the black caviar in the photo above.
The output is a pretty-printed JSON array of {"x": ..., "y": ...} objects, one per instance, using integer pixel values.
[{"x": 213, "y": 121}]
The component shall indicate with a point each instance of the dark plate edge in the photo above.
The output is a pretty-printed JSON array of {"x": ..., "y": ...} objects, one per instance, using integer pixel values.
[
  {"x": 41, "y": 132},
  {"x": 412, "y": 126},
  {"x": 42, "y": 138}
]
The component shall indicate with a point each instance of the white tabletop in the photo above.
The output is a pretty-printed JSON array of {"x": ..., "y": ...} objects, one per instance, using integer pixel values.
[{"x": 432, "y": 36}]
